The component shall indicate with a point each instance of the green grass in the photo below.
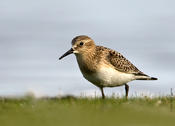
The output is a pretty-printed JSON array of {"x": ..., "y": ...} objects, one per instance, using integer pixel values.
[{"x": 86, "y": 112}]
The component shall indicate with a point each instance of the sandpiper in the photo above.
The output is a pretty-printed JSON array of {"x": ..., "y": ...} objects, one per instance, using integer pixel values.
[{"x": 102, "y": 66}]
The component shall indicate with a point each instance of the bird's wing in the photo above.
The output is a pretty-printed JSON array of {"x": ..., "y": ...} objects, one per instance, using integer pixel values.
[{"x": 122, "y": 64}]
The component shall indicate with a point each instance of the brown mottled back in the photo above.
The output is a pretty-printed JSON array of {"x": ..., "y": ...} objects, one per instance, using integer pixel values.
[{"x": 119, "y": 61}]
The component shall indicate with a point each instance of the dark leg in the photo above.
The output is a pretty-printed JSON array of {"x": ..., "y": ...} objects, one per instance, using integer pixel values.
[
  {"x": 126, "y": 90},
  {"x": 103, "y": 95}
]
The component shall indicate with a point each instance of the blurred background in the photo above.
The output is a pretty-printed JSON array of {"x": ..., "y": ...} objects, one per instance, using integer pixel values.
[{"x": 33, "y": 34}]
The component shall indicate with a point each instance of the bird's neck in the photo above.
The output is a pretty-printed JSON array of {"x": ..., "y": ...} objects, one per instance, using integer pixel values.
[{"x": 86, "y": 61}]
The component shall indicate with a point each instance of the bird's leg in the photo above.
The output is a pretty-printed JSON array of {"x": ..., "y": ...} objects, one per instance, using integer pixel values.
[
  {"x": 103, "y": 95},
  {"x": 126, "y": 90}
]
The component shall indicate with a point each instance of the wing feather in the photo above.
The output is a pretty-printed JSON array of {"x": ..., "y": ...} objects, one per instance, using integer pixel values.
[{"x": 122, "y": 64}]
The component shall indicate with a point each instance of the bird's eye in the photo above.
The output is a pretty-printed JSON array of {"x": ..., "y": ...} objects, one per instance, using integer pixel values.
[{"x": 81, "y": 43}]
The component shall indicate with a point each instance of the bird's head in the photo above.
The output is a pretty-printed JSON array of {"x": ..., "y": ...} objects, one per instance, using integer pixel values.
[{"x": 80, "y": 45}]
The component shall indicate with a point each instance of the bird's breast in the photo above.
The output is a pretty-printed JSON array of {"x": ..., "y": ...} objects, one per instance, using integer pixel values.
[
  {"x": 108, "y": 77},
  {"x": 86, "y": 65},
  {"x": 103, "y": 73}
]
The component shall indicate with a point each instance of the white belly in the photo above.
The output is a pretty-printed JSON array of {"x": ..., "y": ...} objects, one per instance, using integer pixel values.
[{"x": 109, "y": 77}]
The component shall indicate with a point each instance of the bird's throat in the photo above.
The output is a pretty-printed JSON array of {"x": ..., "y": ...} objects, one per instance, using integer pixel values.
[{"x": 86, "y": 62}]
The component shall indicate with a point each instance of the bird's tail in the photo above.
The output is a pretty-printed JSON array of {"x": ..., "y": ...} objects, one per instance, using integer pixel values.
[{"x": 145, "y": 77}]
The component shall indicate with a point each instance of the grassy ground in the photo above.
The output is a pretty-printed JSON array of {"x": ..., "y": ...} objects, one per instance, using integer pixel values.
[{"x": 86, "y": 112}]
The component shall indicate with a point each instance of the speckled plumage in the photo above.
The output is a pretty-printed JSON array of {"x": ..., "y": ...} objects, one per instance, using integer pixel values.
[
  {"x": 102, "y": 66},
  {"x": 118, "y": 60}
]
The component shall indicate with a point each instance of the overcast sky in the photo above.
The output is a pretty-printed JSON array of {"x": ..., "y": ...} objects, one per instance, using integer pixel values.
[{"x": 33, "y": 34}]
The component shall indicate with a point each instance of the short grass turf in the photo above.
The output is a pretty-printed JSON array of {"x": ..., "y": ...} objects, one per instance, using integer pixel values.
[{"x": 71, "y": 111}]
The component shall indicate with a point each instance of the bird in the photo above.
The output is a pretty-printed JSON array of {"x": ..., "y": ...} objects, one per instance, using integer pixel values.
[{"x": 102, "y": 66}]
